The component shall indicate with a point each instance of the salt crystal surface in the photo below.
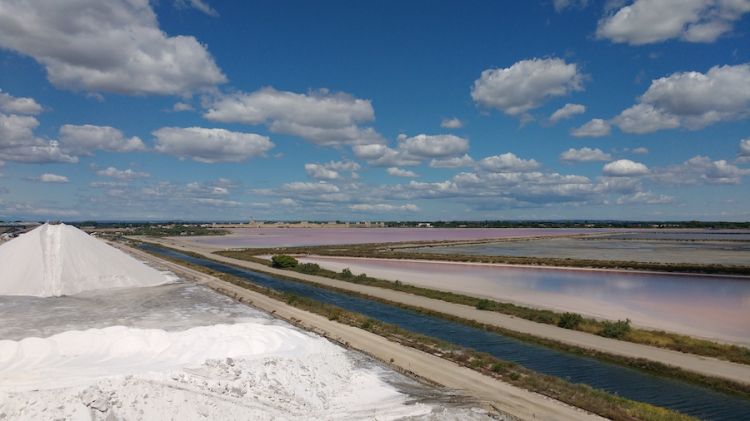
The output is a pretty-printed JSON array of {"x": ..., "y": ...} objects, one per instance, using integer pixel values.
[{"x": 240, "y": 371}]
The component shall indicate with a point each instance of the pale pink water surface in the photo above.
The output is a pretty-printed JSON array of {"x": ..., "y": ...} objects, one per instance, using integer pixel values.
[
  {"x": 704, "y": 306},
  {"x": 289, "y": 237}
]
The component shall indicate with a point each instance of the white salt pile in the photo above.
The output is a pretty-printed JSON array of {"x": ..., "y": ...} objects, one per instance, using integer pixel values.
[
  {"x": 54, "y": 260},
  {"x": 240, "y": 371}
]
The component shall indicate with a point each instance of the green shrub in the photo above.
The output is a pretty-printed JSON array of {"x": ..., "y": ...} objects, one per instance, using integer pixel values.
[
  {"x": 570, "y": 320},
  {"x": 283, "y": 261},
  {"x": 347, "y": 273},
  {"x": 309, "y": 268},
  {"x": 616, "y": 329},
  {"x": 483, "y": 304}
]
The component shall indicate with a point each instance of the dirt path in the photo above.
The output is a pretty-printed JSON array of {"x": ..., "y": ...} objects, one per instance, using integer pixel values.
[
  {"x": 505, "y": 397},
  {"x": 698, "y": 364}
]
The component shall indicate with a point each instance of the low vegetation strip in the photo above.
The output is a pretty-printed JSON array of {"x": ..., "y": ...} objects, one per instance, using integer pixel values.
[
  {"x": 398, "y": 251},
  {"x": 622, "y": 330},
  {"x": 593, "y": 400}
]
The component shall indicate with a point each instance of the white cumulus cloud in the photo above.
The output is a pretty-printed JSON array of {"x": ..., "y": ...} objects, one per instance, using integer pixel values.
[
  {"x": 596, "y": 127},
  {"x": 19, "y": 143},
  {"x": 52, "y": 178},
  {"x": 691, "y": 100},
  {"x": 321, "y": 117},
  {"x": 210, "y": 145},
  {"x": 433, "y": 146},
  {"x": 526, "y": 84},
  {"x": 106, "y": 46},
  {"x": 650, "y": 21},
  {"x": 400, "y": 172},
  {"x": 567, "y": 111},
  {"x": 451, "y": 123},
  {"x": 84, "y": 139},
  {"x": 701, "y": 170},
  {"x": 383, "y": 207},
  {"x": 455, "y": 162},
  {"x": 16, "y": 105},
  {"x": 321, "y": 172},
  {"x": 127, "y": 174},
  {"x": 625, "y": 168},
  {"x": 585, "y": 154},
  {"x": 508, "y": 162}
]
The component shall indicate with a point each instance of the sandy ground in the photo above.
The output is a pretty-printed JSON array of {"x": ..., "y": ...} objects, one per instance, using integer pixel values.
[
  {"x": 702, "y": 365},
  {"x": 506, "y": 398}
]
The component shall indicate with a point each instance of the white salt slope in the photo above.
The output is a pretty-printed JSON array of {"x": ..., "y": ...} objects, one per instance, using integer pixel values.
[
  {"x": 55, "y": 260},
  {"x": 240, "y": 371}
]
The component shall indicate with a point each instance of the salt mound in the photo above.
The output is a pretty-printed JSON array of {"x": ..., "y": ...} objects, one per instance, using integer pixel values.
[
  {"x": 240, "y": 371},
  {"x": 55, "y": 260}
]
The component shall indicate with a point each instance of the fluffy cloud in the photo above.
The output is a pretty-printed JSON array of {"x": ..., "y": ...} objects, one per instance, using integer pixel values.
[
  {"x": 625, "y": 168},
  {"x": 83, "y": 140},
  {"x": 210, "y": 145},
  {"x": 585, "y": 155},
  {"x": 507, "y": 189},
  {"x": 301, "y": 187},
  {"x": 331, "y": 170},
  {"x": 594, "y": 128},
  {"x": 320, "y": 116},
  {"x": 51, "y": 178},
  {"x": 745, "y": 147},
  {"x": 650, "y": 21},
  {"x": 128, "y": 174},
  {"x": 645, "y": 118},
  {"x": 412, "y": 150},
  {"x": 455, "y": 162},
  {"x": 321, "y": 172},
  {"x": 690, "y": 99},
  {"x": 15, "y": 105},
  {"x": 566, "y": 111},
  {"x": 701, "y": 170},
  {"x": 526, "y": 84},
  {"x": 744, "y": 155},
  {"x": 112, "y": 46},
  {"x": 399, "y": 172},
  {"x": 383, "y": 156},
  {"x": 18, "y": 142},
  {"x": 433, "y": 146},
  {"x": 451, "y": 123},
  {"x": 645, "y": 198},
  {"x": 382, "y": 207},
  {"x": 508, "y": 162}
]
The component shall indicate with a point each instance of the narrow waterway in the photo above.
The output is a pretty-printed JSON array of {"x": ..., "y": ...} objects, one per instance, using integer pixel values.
[{"x": 632, "y": 384}]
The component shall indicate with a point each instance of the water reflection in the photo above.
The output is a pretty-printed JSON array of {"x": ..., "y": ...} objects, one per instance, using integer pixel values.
[{"x": 705, "y": 306}]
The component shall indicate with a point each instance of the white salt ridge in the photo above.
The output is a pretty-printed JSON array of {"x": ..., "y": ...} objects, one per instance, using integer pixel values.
[
  {"x": 241, "y": 371},
  {"x": 54, "y": 260}
]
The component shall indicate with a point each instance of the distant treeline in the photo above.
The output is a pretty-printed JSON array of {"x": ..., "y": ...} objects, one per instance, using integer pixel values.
[{"x": 574, "y": 224}]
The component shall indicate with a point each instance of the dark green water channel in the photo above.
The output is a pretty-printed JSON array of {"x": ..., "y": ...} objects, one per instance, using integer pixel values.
[{"x": 633, "y": 384}]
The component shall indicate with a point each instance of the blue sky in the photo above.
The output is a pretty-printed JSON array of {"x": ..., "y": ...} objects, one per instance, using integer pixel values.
[{"x": 200, "y": 109}]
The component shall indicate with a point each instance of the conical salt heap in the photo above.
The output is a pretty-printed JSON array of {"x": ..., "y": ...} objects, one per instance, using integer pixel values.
[{"x": 54, "y": 260}]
